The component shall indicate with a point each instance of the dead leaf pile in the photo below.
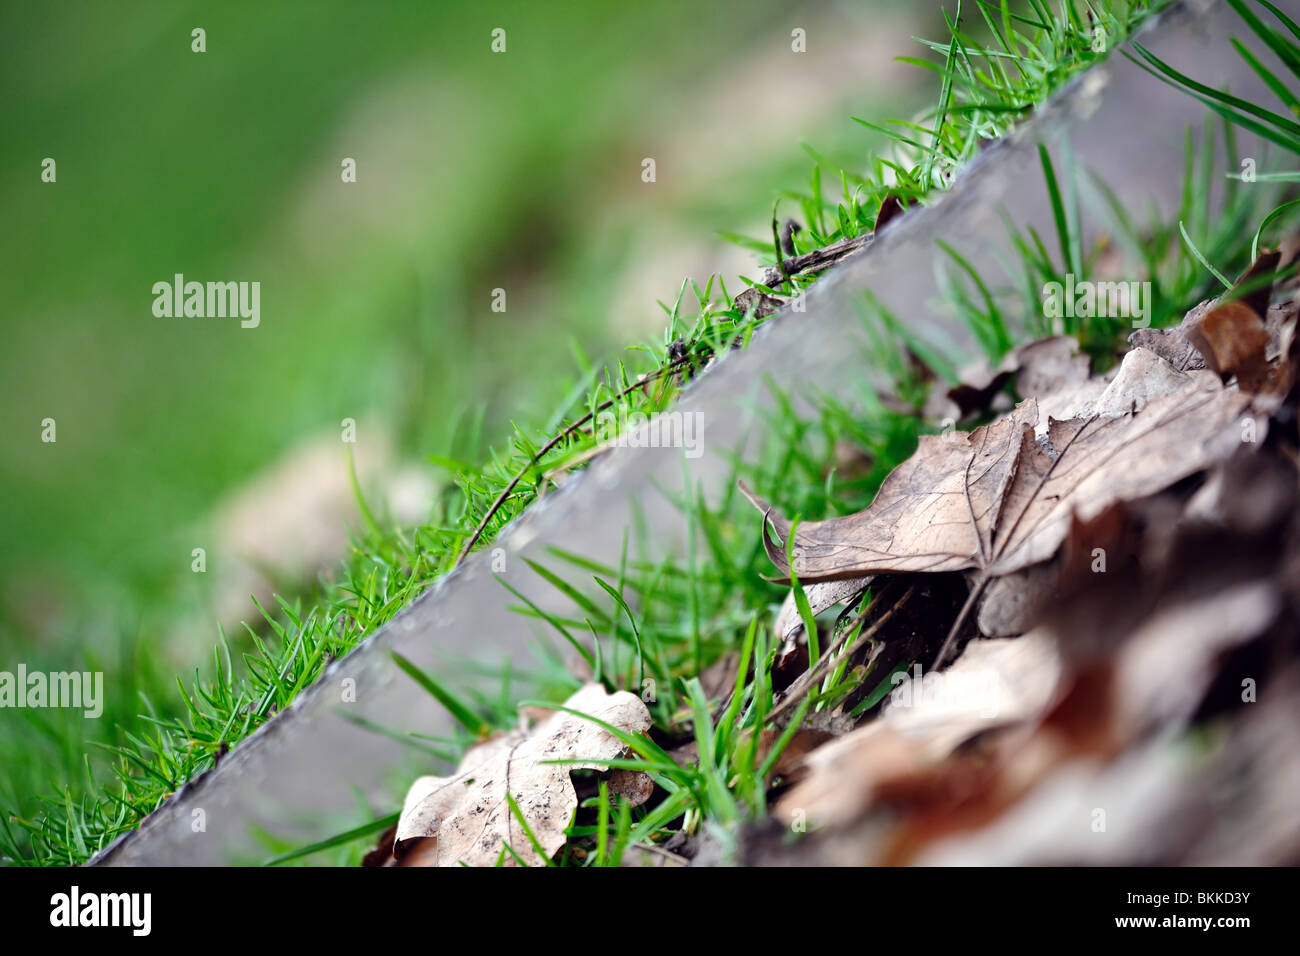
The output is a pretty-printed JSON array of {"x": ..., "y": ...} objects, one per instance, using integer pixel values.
[{"x": 1130, "y": 547}]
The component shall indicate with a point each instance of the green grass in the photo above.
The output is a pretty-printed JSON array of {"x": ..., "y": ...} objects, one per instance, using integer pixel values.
[
  {"x": 1275, "y": 127},
  {"x": 991, "y": 74}
]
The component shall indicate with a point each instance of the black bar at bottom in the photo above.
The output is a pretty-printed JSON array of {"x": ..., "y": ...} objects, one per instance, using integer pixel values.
[{"x": 240, "y": 907}]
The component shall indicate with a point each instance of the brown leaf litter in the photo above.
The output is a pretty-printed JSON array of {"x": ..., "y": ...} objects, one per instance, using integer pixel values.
[
  {"x": 1115, "y": 556},
  {"x": 1140, "y": 559}
]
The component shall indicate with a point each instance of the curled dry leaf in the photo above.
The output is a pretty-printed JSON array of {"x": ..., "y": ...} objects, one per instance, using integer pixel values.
[
  {"x": 468, "y": 814},
  {"x": 1172, "y": 344},
  {"x": 1141, "y": 377},
  {"x": 1255, "y": 285},
  {"x": 999, "y": 500}
]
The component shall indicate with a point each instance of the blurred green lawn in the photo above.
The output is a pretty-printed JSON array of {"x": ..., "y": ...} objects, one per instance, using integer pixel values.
[{"x": 475, "y": 171}]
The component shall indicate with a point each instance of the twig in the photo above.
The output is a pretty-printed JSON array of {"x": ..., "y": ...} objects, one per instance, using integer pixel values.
[
  {"x": 545, "y": 449},
  {"x": 971, "y": 598},
  {"x": 816, "y": 260}
]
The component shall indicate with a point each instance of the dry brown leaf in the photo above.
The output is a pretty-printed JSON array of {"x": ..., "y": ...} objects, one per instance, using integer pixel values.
[
  {"x": 1049, "y": 365},
  {"x": 1166, "y": 665},
  {"x": 993, "y": 684},
  {"x": 1012, "y": 603},
  {"x": 1102, "y": 460},
  {"x": 1258, "y": 297},
  {"x": 1193, "y": 608},
  {"x": 1116, "y": 721},
  {"x": 1141, "y": 377},
  {"x": 468, "y": 813},
  {"x": 1234, "y": 339},
  {"x": 999, "y": 500}
]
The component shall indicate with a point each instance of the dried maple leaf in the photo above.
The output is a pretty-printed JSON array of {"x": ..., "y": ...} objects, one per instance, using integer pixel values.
[
  {"x": 999, "y": 500},
  {"x": 468, "y": 813}
]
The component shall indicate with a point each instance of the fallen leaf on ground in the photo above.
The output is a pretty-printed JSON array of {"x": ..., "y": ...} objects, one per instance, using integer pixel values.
[
  {"x": 1151, "y": 538},
  {"x": 999, "y": 500},
  {"x": 1172, "y": 344},
  {"x": 1233, "y": 338},
  {"x": 468, "y": 813}
]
